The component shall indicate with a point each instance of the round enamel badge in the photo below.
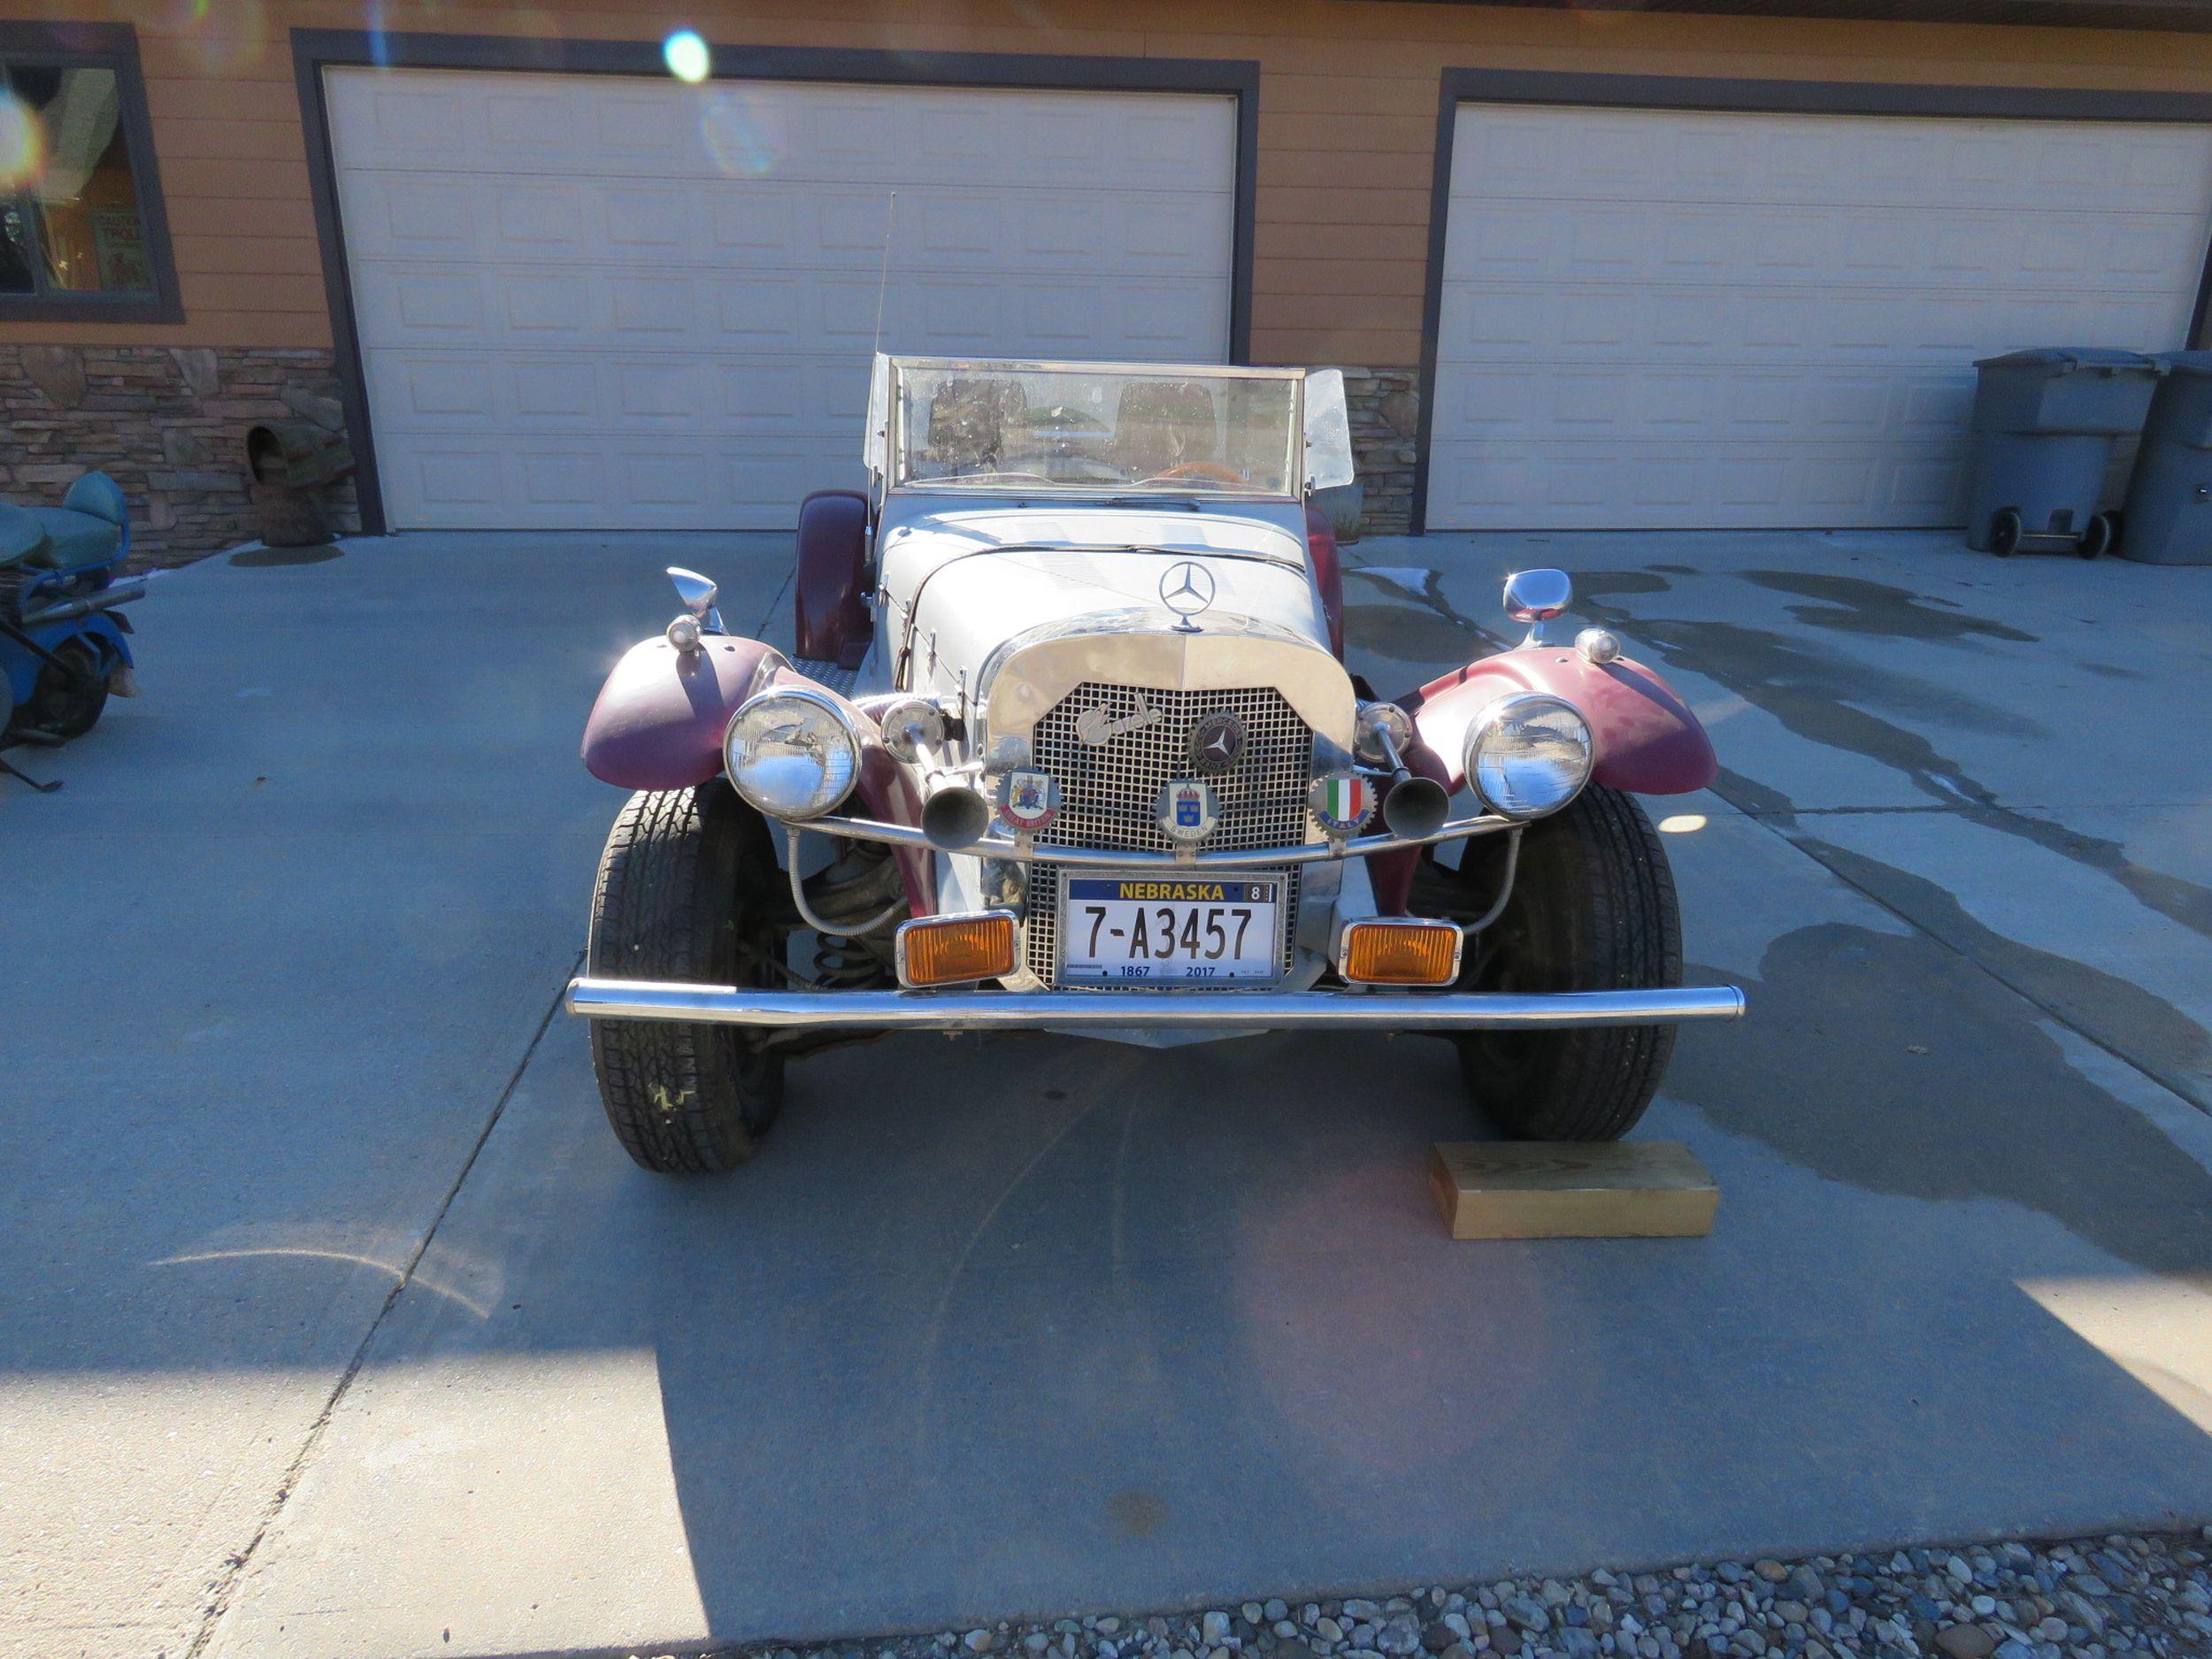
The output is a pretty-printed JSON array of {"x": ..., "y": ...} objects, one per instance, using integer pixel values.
[
  {"x": 1187, "y": 809},
  {"x": 1342, "y": 802},
  {"x": 1217, "y": 744},
  {"x": 1028, "y": 801}
]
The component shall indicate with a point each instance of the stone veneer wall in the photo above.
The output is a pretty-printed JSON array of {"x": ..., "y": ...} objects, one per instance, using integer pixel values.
[
  {"x": 167, "y": 423},
  {"x": 1385, "y": 408}
]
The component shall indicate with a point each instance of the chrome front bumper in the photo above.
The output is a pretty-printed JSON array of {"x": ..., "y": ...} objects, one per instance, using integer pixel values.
[{"x": 1075, "y": 1010}]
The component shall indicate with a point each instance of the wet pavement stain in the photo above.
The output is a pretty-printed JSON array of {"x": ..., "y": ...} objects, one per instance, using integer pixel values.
[
  {"x": 2156, "y": 1037},
  {"x": 1410, "y": 632},
  {"x": 1856, "y": 605},
  {"x": 1816, "y": 696},
  {"x": 1599, "y": 584},
  {"x": 1893, "y": 1064},
  {"x": 1424, "y": 629},
  {"x": 1823, "y": 697}
]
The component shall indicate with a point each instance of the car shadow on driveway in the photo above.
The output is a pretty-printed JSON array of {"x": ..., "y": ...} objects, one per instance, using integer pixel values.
[{"x": 1041, "y": 1325}]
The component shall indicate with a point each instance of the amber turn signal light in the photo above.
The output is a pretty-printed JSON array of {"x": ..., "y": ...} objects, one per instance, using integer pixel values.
[
  {"x": 956, "y": 949},
  {"x": 1399, "y": 951}
]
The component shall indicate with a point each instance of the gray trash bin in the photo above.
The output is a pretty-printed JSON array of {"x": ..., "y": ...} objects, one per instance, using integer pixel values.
[
  {"x": 2170, "y": 496},
  {"x": 2044, "y": 425}
]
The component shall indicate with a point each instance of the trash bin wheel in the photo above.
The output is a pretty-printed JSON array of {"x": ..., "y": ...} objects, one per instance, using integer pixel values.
[
  {"x": 2005, "y": 531},
  {"x": 2097, "y": 540}
]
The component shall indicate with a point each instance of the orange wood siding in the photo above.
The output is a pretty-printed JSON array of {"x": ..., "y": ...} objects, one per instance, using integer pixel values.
[{"x": 1346, "y": 119}]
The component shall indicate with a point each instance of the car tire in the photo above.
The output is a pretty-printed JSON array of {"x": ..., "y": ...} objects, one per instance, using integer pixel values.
[
  {"x": 68, "y": 701},
  {"x": 1593, "y": 908},
  {"x": 681, "y": 895}
]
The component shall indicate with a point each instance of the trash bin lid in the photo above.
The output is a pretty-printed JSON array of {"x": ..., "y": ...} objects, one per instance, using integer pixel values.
[
  {"x": 2186, "y": 362},
  {"x": 2060, "y": 359}
]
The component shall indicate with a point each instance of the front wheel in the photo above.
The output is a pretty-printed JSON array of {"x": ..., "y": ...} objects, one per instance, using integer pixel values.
[
  {"x": 1593, "y": 908},
  {"x": 682, "y": 895},
  {"x": 70, "y": 695}
]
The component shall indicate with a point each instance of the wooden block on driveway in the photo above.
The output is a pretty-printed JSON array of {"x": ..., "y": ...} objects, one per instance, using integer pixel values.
[{"x": 1572, "y": 1189}]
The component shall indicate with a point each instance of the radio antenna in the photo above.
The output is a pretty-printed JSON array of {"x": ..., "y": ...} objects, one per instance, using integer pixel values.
[{"x": 883, "y": 279}]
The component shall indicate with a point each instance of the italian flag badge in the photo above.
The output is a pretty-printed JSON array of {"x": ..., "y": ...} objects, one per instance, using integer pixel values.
[{"x": 1342, "y": 802}]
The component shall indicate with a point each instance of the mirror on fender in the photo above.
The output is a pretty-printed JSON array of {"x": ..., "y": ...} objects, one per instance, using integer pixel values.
[
  {"x": 1535, "y": 597},
  {"x": 1538, "y": 595},
  {"x": 697, "y": 594}
]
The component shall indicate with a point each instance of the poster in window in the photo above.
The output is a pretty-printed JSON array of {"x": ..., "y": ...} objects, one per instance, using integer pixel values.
[{"x": 121, "y": 245}]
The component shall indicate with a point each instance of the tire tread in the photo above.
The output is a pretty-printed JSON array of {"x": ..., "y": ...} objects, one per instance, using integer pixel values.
[
  {"x": 681, "y": 1098},
  {"x": 1602, "y": 865}
]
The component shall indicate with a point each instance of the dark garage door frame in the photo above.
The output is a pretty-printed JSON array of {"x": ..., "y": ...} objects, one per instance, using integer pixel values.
[
  {"x": 313, "y": 51},
  {"x": 1770, "y": 97}
]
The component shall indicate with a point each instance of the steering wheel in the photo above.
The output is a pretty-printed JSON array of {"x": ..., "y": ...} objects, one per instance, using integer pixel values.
[{"x": 1212, "y": 471}]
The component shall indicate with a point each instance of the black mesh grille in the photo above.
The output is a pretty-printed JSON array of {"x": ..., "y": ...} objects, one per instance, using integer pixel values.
[{"x": 1110, "y": 790}]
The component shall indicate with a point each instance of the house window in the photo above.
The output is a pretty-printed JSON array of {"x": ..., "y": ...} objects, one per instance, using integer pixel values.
[{"x": 81, "y": 231}]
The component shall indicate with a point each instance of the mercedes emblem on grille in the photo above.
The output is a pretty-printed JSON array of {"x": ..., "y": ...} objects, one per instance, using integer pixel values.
[
  {"x": 1187, "y": 588},
  {"x": 1217, "y": 744}
]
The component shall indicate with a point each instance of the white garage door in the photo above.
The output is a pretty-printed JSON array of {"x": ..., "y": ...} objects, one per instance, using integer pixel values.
[
  {"x": 1656, "y": 318},
  {"x": 591, "y": 302}
]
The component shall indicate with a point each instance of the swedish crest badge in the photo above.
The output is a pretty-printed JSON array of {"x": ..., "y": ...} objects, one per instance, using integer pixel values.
[{"x": 1187, "y": 809}]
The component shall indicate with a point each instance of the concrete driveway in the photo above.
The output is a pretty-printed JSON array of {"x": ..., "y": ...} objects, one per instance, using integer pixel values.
[{"x": 336, "y": 1324}]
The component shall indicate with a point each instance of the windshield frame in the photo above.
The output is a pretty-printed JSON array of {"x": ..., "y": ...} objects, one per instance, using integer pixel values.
[{"x": 887, "y": 424}]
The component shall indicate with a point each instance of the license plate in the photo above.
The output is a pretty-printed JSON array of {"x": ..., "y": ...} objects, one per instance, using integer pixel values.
[{"x": 1122, "y": 930}]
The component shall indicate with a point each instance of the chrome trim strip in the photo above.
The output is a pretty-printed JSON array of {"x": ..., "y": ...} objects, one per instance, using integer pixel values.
[
  {"x": 863, "y": 829},
  {"x": 1066, "y": 1010}
]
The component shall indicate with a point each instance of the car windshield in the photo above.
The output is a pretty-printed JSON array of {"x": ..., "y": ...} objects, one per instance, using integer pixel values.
[{"x": 1087, "y": 429}]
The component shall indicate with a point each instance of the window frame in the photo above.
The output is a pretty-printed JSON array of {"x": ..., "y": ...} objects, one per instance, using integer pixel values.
[{"x": 112, "y": 47}]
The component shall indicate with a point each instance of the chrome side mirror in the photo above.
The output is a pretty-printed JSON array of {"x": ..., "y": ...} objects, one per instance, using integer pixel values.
[
  {"x": 1535, "y": 597},
  {"x": 697, "y": 594}
]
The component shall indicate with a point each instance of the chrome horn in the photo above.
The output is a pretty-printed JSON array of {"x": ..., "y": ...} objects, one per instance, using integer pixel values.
[
  {"x": 954, "y": 815},
  {"x": 1415, "y": 807}
]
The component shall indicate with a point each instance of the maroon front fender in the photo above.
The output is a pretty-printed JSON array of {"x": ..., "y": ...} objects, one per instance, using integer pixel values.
[
  {"x": 1648, "y": 741},
  {"x": 660, "y": 721}
]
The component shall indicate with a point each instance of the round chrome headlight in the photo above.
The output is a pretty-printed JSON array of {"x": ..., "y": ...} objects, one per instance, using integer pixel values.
[
  {"x": 793, "y": 754},
  {"x": 1528, "y": 755}
]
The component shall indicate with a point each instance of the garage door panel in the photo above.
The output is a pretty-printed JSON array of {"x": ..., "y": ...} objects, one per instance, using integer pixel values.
[
  {"x": 1737, "y": 318},
  {"x": 1605, "y": 485},
  {"x": 590, "y": 301},
  {"x": 599, "y": 127}
]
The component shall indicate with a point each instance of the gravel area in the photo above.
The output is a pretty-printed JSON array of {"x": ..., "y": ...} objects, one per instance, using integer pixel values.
[{"x": 2103, "y": 1598}]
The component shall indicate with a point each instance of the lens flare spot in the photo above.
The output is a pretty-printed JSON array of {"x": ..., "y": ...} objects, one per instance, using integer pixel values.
[
  {"x": 218, "y": 40},
  {"x": 741, "y": 133},
  {"x": 1682, "y": 823},
  {"x": 22, "y": 143},
  {"x": 686, "y": 55}
]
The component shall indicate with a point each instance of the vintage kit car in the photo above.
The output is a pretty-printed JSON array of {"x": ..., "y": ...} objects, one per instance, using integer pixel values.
[{"x": 1067, "y": 742}]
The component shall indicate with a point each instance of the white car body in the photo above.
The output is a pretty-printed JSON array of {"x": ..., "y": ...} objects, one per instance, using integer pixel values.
[{"x": 1083, "y": 627}]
